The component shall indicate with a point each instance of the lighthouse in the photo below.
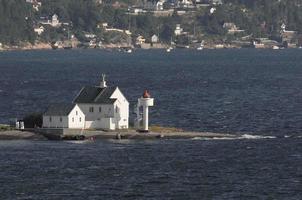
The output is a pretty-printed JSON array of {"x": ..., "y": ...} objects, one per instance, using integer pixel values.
[{"x": 142, "y": 119}]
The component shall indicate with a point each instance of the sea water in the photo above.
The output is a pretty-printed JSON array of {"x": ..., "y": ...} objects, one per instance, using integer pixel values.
[{"x": 255, "y": 94}]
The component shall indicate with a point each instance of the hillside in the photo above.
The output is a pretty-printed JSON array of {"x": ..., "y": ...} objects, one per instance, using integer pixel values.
[{"x": 92, "y": 22}]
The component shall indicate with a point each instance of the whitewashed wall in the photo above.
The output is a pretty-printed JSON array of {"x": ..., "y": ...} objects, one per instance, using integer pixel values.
[
  {"x": 97, "y": 119},
  {"x": 103, "y": 123},
  {"x": 111, "y": 117},
  {"x": 121, "y": 118},
  {"x": 70, "y": 121},
  {"x": 76, "y": 118}
]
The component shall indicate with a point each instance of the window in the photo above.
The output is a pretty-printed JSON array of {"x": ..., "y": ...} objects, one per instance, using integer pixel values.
[
  {"x": 61, "y": 119},
  {"x": 116, "y": 109},
  {"x": 50, "y": 119},
  {"x": 80, "y": 119},
  {"x": 76, "y": 112},
  {"x": 72, "y": 119},
  {"x": 91, "y": 109},
  {"x": 100, "y": 109}
]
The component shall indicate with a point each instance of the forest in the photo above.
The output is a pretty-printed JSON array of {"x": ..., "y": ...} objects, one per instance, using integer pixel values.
[{"x": 259, "y": 18}]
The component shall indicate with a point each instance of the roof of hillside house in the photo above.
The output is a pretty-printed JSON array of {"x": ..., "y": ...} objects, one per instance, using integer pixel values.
[
  {"x": 97, "y": 95},
  {"x": 59, "y": 109}
]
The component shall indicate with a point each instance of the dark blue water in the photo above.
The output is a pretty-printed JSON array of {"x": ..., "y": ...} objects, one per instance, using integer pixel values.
[
  {"x": 238, "y": 91},
  {"x": 161, "y": 169},
  {"x": 256, "y": 92}
]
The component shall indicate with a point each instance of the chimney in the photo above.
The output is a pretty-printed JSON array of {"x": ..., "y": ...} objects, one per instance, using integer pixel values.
[{"x": 103, "y": 82}]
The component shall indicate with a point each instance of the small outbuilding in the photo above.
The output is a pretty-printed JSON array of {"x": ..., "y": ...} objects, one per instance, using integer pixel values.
[
  {"x": 64, "y": 116},
  {"x": 154, "y": 39}
]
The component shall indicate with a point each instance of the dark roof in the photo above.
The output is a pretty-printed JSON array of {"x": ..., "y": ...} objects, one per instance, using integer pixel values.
[
  {"x": 97, "y": 95},
  {"x": 62, "y": 109}
]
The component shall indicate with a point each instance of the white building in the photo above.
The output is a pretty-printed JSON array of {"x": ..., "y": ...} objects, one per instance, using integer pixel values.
[
  {"x": 35, "y": 3},
  {"x": 54, "y": 22},
  {"x": 216, "y": 2},
  {"x": 178, "y": 30},
  {"x": 185, "y": 3},
  {"x": 104, "y": 107},
  {"x": 140, "y": 40},
  {"x": 142, "y": 118},
  {"x": 212, "y": 10},
  {"x": 64, "y": 116},
  {"x": 154, "y": 39},
  {"x": 160, "y": 5},
  {"x": 231, "y": 28},
  {"x": 39, "y": 30},
  {"x": 96, "y": 107}
]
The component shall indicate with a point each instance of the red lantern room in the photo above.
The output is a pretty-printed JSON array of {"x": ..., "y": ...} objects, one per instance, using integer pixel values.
[{"x": 146, "y": 94}]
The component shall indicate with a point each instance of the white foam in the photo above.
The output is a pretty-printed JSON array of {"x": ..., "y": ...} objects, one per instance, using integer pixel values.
[
  {"x": 240, "y": 137},
  {"x": 78, "y": 141},
  {"x": 247, "y": 136}
]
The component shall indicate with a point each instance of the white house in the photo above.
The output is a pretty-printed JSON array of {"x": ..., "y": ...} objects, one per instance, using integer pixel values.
[
  {"x": 154, "y": 39},
  {"x": 95, "y": 107},
  {"x": 35, "y": 3},
  {"x": 64, "y": 116},
  {"x": 140, "y": 40},
  {"x": 104, "y": 107},
  {"x": 216, "y": 2},
  {"x": 54, "y": 22},
  {"x": 39, "y": 30},
  {"x": 178, "y": 30},
  {"x": 160, "y": 5},
  {"x": 231, "y": 28}
]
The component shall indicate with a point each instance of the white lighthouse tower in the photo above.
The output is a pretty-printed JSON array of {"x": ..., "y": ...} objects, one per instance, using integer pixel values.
[{"x": 142, "y": 119}]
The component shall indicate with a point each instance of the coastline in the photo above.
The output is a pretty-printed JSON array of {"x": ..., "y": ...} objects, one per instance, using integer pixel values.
[
  {"x": 20, "y": 135},
  {"x": 109, "y": 47},
  {"x": 41, "y": 134}
]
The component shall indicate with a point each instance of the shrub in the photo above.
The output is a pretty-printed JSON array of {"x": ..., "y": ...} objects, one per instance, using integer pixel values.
[{"x": 33, "y": 120}]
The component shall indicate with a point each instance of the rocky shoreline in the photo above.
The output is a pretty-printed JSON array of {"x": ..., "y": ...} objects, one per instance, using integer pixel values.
[
  {"x": 48, "y": 46},
  {"x": 101, "y": 135},
  {"x": 20, "y": 135}
]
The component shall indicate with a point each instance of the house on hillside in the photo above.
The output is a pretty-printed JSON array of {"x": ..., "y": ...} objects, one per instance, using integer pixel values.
[
  {"x": 289, "y": 38},
  {"x": 160, "y": 5},
  {"x": 185, "y": 4},
  {"x": 154, "y": 39},
  {"x": 35, "y": 3},
  {"x": 95, "y": 107},
  {"x": 39, "y": 30},
  {"x": 140, "y": 40},
  {"x": 216, "y": 2},
  {"x": 201, "y": 3},
  {"x": 54, "y": 21},
  {"x": 231, "y": 28},
  {"x": 178, "y": 30}
]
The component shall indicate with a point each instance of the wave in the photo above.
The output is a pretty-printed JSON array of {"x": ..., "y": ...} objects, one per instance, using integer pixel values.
[
  {"x": 247, "y": 136},
  {"x": 239, "y": 137}
]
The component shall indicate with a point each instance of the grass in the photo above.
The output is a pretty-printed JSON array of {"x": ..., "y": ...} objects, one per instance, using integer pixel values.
[
  {"x": 161, "y": 129},
  {"x": 4, "y": 127}
]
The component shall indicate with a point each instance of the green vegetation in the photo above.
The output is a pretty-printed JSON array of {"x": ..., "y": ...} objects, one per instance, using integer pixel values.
[
  {"x": 16, "y": 22},
  {"x": 259, "y": 18},
  {"x": 160, "y": 129},
  {"x": 5, "y": 128}
]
